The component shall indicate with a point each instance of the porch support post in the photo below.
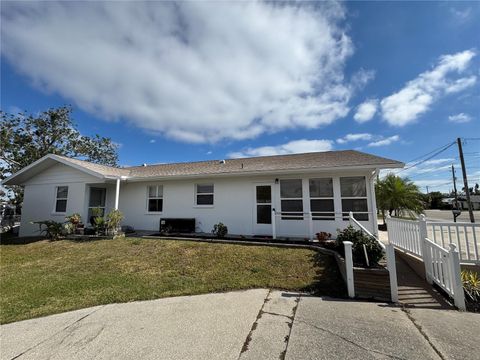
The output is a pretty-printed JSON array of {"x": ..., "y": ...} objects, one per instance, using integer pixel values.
[
  {"x": 274, "y": 224},
  {"x": 373, "y": 202},
  {"x": 117, "y": 193}
]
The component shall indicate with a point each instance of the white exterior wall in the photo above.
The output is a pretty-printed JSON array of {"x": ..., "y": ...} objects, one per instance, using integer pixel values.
[
  {"x": 39, "y": 196},
  {"x": 234, "y": 202}
]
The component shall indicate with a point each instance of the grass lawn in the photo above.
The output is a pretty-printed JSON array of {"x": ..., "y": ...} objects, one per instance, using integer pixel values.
[{"x": 45, "y": 277}]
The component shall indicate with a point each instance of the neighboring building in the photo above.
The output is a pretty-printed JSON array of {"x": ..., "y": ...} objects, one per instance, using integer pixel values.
[
  {"x": 298, "y": 194},
  {"x": 475, "y": 200}
]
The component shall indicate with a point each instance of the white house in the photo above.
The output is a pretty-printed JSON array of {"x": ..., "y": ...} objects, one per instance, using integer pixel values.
[{"x": 287, "y": 195}]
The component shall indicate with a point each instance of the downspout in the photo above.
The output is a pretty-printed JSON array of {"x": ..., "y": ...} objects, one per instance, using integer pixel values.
[{"x": 373, "y": 202}]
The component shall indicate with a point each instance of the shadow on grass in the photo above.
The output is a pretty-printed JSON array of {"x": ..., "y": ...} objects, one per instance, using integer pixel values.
[{"x": 328, "y": 280}]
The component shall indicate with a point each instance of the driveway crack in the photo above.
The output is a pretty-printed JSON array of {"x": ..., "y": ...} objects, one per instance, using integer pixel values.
[
  {"x": 55, "y": 334},
  {"x": 254, "y": 325},
  {"x": 352, "y": 342},
  {"x": 423, "y": 333}
]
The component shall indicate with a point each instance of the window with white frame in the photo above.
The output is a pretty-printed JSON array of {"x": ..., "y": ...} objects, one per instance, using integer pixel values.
[
  {"x": 155, "y": 198},
  {"x": 291, "y": 199},
  {"x": 354, "y": 197},
  {"x": 321, "y": 199},
  {"x": 204, "y": 194},
  {"x": 61, "y": 196}
]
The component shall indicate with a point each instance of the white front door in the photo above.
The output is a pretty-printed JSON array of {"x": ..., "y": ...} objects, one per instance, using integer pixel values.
[{"x": 262, "y": 212}]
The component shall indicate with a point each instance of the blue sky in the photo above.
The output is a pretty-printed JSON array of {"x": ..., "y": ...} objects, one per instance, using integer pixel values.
[{"x": 216, "y": 80}]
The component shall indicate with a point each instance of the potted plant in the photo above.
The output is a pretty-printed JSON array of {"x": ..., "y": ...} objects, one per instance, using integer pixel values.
[
  {"x": 323, "y": 236},
  {"x": 113, "y": 220}
]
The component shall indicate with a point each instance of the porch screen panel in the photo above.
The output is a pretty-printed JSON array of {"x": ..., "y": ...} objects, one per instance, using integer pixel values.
[
  {"x": 354, "y": 197},
  {"x": 291, "y": 199},
  {"x": 321, "y": 199}
]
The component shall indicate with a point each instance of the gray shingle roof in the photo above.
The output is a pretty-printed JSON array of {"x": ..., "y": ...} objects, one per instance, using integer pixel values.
[
  {"x": 316, "y": 160},
  {"x": 306, "y": 161}
]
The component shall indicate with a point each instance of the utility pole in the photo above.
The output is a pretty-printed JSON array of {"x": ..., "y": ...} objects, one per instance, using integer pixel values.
[
  {"x": 465, "y": 181},
  {"x": 455, "y": 210}
]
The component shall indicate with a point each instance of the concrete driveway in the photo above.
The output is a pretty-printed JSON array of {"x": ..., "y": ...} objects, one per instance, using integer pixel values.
[{"x": 254, "y": 324}]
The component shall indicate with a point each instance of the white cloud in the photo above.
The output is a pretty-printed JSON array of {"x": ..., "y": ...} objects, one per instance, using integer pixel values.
[
  {"x": 292, "y": 147},
  {"x": 194, "y": 71},
  {"x": 418, "y": 95},
  {"x": 152, "y": 141},
  {"x": 366, "y": 111},
  {"x": 460, "y": 118},
  {"x": 384, "y": 142},
  {"x": 355, "y": 137},
  {"x": 438, "y": 161}
]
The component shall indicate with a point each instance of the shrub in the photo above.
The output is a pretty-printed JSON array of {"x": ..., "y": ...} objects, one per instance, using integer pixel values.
[
  {"x": 74, "y": 219},
  {"x": 52, "y": 230},
  {"x": 322, "y": 236},
  {"x": 471, "y": 285},
  {"x": 358, "y": 238},
  {"x": 114, "y": 218},
  {"x": 220, "y": 230}
]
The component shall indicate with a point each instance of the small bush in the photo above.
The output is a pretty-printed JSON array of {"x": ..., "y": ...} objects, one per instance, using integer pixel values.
[
  {"x": 358, "y": 238},
  {"x": 114, "y": 218},
  {"x": 52, "y": 230},
  {"x": 75, "y": 218},
  {"x": 471, "y": 285},
  {"x": 220, "y": 230},
  {"x": 322, "y": 236}
]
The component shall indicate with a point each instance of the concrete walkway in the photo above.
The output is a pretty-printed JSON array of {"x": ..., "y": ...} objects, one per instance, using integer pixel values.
[{"x": 254, "y": 324}]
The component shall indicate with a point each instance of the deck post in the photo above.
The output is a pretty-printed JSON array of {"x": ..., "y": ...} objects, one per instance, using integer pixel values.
[
  {"x": 117, "y": 193},
  {"x": 392, "y": 271},
  {"x": 422, "y": 228},
  {"x": 349, "y": 268},
  {"x": 457, "y": 286}
]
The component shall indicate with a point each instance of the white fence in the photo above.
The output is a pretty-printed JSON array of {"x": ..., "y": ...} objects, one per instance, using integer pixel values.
[
  {"x": 408, "y": 234},
  {"x": 389, "y": 255},
  {"x": 465, "y": 236},
  {"x": 442, "y": 266}
]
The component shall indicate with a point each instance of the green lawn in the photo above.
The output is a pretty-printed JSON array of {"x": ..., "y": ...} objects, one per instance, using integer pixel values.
[{"x": 44, "y": 277}]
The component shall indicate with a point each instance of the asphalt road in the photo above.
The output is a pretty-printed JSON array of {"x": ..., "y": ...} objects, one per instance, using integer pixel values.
[
  {"x": 446, "y": 215},
  {"x": 254, "y": 324}
]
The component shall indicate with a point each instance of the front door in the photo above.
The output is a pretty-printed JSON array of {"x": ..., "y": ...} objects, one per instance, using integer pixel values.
[{"x": 263, "y": 209}]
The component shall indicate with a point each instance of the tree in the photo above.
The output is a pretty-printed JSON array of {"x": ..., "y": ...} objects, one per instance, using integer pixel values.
[
  {"x": 398, "y": 196},
  {"x": 435, "y": 200},
  {"x": 25, "y": 138}
]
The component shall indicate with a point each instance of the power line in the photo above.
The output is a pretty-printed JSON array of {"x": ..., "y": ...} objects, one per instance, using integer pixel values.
[{"x": 428, "y": 158}]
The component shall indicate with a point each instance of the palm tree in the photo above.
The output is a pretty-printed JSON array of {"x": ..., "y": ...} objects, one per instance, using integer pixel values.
[{"x": 398, "y": 196}]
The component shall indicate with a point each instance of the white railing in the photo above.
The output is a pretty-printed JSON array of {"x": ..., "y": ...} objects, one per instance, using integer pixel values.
[
  {"x": 389, "y": 255},
  {"x": 465, "y": 236},
  {"x": 443, "y": 268},
  {"x": 407, "y": 235}
]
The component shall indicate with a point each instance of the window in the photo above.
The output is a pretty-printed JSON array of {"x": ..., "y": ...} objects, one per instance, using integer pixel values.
[
  {"x": 155, "y": 198},
  {"x": 204, "y": 194},
  {"x": 61, "y": 195},
  {"x": 291, "y": 199},
  {"x": 354, "y": 197},
  {"x": 321, "y": 199}
]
